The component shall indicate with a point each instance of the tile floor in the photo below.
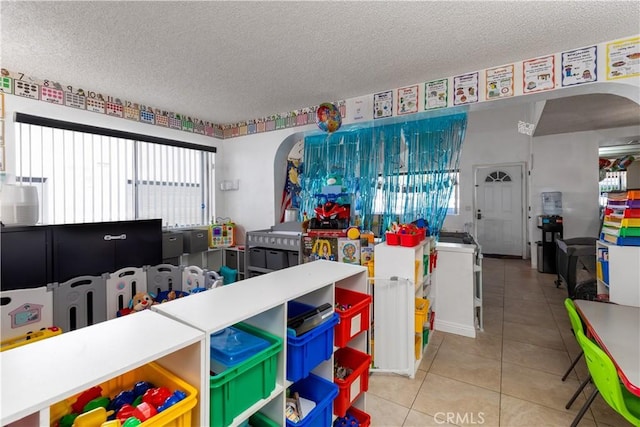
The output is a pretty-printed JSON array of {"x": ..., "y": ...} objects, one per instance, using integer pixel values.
[{"x": 510, "y": 375}]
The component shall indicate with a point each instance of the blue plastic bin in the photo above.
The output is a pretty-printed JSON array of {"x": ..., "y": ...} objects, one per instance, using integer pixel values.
[
  {"x": 231, "y": 346},
  {"x": 308, "y": 350},
  {"x": 322, "y": 392},
  {"x": 605, "y": 271}
]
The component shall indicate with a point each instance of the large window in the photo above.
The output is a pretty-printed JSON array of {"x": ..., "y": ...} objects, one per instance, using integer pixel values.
[
  {"x": 402, "y": 194},
  {"x": 90, "y": 177}
]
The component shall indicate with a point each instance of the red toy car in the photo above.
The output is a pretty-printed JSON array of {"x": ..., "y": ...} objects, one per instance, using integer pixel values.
[{"x": 331, "y": 215}]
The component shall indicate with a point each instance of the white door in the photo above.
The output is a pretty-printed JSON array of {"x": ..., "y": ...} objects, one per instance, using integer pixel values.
[{"x": 499, "y": 209}]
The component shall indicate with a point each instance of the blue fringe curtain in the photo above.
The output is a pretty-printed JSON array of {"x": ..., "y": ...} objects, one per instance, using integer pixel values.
[{"x": 410, "y": 167}]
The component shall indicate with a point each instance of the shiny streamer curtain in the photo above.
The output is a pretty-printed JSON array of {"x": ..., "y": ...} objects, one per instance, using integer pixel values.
[{"x": 412, "y": 164}]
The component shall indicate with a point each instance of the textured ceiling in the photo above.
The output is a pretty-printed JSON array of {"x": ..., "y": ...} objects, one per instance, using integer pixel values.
[{"x": 231, "y": 61}]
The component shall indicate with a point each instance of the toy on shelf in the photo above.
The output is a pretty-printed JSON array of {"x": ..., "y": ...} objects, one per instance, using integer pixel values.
[
  {"x": 166, "y": 296},
  {"x": 221, "y": 233},
  {"x": 30, "y": 337},
  {"x": 140, "y": 301},
  {"x": 127, "y": 408},
  {"x": 331, "y": 213}
]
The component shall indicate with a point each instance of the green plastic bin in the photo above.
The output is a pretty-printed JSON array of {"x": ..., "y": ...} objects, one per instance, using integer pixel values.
[
  {"x": 260, "y": 420},
  {"x": 239, "y": 387}
]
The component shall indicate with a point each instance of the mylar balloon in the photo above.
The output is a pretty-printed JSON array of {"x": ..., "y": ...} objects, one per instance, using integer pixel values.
[{"x": 328, "y": 117}]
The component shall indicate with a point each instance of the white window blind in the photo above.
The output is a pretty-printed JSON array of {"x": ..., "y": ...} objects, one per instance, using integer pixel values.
[{"x": 85, "y": 177}]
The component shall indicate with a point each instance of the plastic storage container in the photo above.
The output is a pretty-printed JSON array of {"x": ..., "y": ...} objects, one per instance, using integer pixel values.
[
  {"x": 363, "y": 419},
  {"x": 393, "y": 239},
  {"x": 322, "y": 392},
  {"x": 242, "y": 385},
  {"x": 276, "y": 260},
  {"x": 257, "y": 257},
  {"x": 422, "y": 308},
  {"x": 260, "y": 420},
  {"x": 231, "y": 346},
  {"x": 356, "y": 383},
  {"x": 178, "y": 415},
  {"x": 410, "y": 240},
  {"x": 355, "y": 318},
  {"x": 308, "y": 350}
]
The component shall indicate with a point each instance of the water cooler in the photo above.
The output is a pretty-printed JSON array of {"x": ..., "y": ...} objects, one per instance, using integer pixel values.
[{"x": 551, "y": 227}]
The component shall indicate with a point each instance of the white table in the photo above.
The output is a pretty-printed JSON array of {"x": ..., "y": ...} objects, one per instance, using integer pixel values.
[{"x": 617, "y": 329}]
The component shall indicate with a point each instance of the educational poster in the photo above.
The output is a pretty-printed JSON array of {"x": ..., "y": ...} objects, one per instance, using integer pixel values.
[
  {"x": 52, "y": 95},
  {"x": 623, "y": 59},
  {"x": 383, "y": 105},
  {"x": 131, "y": 111},
  {"x": 579, "y": 66},
  {"x": 408, "y": 100},
  {"x": 75, "y": 100},
  {"x": 538, "y": 74},
  {"x": 6, "y": 84},
  {"x": 359, "y": 108},
  {"x": 436, "y": 94},
  {"x": 499, "y": 82},
  {"x": 465, "y": 89}
]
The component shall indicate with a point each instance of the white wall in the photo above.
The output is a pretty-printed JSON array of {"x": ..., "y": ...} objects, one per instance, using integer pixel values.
[{"x": 492, "y": 137}]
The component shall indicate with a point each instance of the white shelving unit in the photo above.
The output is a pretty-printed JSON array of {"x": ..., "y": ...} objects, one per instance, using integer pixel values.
[
  {"x": 624, "y": 274},
  {"x": 458, "y": 284},
  {"x": 394, "y": 304},
  {"x": 40, "y": 374},
  {"x": 262, "y": 302},
  {"x": 176, "y": 335}
]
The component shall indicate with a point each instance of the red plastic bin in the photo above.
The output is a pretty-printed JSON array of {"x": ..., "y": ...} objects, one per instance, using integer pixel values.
[
  {"x": 393, "y": 239},
  {"x": 410, "y": 240},
  {"x": 364, "y": 419},
  {"x": 356, "y": 383},
  {"x": 354, "y": 319}
]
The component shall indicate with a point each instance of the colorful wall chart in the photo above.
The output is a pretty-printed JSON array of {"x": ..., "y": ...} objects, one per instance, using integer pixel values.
[
  {"x": 499, "y": 82},
  {"x": 538, "y": 74},
  {"x": 623, "y": 59},
  {"x": 407, "y": 100},
  {"x": 383, "y": 105},
  {"x": 579, "y": 66},
  {"x": 465, "y": 89},
  {"x": 436, "y": 94}
]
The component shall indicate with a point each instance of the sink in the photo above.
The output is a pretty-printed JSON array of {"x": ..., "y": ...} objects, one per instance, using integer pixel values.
[{"x": 456, "y": 237}]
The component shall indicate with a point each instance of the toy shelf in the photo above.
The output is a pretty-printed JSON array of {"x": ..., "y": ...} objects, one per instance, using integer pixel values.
[
  {"x": 624, "y": 274},
  {"x": 394, "y": 305},
  {"x": 262, "y": 302},
  {"x": 40, "y": 374}
]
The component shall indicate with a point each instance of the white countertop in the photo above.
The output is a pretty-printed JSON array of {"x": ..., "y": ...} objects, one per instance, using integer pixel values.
[
  {"x": 456, "y": 247},
  {"x": 213, "y": 310}
]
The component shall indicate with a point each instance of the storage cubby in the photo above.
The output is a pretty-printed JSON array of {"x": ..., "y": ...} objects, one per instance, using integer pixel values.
[
  {"x": 623, "y": 271},
  {"x": 70, "y": 363},
  {"x": 263, "y": 302},
  {"x": 271, "y": 250},
  {"x": 176, "y": 336},
  {"x": 402, "y": 275}
]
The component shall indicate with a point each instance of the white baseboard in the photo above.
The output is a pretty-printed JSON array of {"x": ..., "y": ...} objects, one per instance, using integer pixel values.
[{"x": 455, "y": 328}]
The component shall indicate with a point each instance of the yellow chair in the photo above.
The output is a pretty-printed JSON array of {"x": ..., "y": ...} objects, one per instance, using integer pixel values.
[{"x": 607, "y": 383}]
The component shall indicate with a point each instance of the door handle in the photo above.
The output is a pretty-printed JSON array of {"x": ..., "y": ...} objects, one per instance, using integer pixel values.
[
  {"x": 479, "y": 214},
  {"x": 108, "y": 237}
]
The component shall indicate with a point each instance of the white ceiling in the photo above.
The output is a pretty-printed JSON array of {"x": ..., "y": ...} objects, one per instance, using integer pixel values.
[{"x": 228, "y": 61}]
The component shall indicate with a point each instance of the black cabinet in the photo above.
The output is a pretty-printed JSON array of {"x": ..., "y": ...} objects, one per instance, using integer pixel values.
[
  {"x": 25, "y": 257},
  {"x": 96, "y": 248}
]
